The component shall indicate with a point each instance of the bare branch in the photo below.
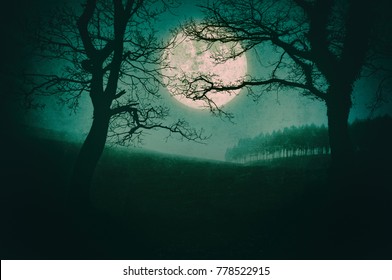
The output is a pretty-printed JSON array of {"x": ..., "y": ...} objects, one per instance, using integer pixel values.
[
  {"x": 82, "y": 23},
  {"x": 111, "y": 52}
]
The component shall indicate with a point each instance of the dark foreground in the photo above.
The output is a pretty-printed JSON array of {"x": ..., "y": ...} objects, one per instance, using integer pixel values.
[{"x": 149, "y": 206}]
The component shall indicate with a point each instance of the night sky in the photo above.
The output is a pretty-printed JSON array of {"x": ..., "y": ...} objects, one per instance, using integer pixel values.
[{"x": 271, "y": 112}]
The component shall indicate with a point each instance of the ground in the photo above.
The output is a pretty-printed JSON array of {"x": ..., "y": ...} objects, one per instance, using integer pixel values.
[{"x": 156, "y": 206}]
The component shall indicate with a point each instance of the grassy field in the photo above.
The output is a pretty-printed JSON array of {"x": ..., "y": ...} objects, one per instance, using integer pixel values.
[{"x": 156, "y": 206}]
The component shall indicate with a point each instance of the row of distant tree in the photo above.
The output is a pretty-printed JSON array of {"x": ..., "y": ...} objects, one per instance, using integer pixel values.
[{"x": 367, "y": 136}]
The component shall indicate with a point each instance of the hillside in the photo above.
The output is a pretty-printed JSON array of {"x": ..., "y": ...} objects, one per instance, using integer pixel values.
[{"x": 154, "y": 206}]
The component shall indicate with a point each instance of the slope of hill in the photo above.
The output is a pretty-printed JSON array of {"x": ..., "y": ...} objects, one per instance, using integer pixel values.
[{"x": 153, "y": 206}]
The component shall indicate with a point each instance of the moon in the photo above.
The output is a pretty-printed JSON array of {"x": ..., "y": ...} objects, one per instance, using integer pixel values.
[{"x": 189, "y": 59}]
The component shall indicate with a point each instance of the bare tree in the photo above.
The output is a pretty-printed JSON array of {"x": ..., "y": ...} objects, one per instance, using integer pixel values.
[
  {"x": 319, "y": 49},
  {"x": 108, "y": 50}
]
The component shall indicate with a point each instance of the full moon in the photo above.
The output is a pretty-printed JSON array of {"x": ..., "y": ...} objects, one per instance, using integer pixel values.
[{"x": 189, "y": 59}]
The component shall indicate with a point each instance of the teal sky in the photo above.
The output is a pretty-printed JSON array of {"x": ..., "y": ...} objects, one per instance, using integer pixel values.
[{"x": 272, "y": 111}]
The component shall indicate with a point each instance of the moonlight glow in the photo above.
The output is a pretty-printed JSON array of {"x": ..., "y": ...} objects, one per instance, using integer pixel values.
[{"x": 189, "y": 59}]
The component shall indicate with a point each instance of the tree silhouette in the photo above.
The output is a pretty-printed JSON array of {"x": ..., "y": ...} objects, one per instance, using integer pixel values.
[
  {"x": 108, "y": 50},
  {"x": 319, "y": 49}
]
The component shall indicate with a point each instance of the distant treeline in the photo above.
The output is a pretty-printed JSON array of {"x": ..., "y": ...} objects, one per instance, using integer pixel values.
[{"x": 373, "y": 135}]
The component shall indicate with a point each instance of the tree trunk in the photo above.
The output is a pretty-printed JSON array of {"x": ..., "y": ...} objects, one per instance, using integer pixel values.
[
  {"x": 338, "y": 109},
  {"x": 86, "y": 162}
]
